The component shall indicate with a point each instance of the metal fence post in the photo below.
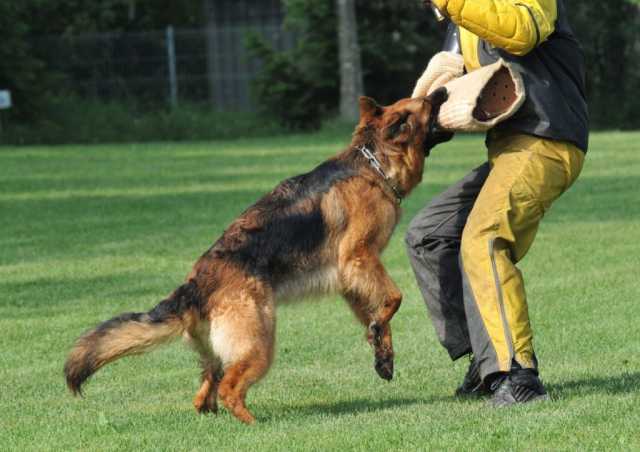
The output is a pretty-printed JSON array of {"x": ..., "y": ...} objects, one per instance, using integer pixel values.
[
  {"x": 171, "y": 59},
  {"x": 5, "y": 103}
]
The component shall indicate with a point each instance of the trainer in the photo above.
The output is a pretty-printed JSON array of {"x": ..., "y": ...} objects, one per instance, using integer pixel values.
[{"x": 465, "y": 244}]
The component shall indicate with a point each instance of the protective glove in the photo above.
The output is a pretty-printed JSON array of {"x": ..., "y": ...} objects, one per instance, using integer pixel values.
[{"x": 443, "y": 67}]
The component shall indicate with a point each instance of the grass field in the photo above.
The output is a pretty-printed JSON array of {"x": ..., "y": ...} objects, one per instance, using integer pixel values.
[{"x": 89, "y": 232}]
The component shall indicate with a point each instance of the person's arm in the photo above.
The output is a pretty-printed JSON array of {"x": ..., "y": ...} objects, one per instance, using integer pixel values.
[
  {"x": 452, "y": 40},
  {"x": 517, "y": 26}
]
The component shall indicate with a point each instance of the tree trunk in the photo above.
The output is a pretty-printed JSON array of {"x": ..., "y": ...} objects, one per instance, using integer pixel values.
[
  {"x": 212, "y": 49},
  {"x": 349, "y": 55}
]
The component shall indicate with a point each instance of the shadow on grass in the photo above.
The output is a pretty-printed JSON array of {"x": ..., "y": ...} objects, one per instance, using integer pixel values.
[
  {"x": 346, "y": 407},
  {"x": 615, "y": 384},
  {"x": 47, "y": 292}
]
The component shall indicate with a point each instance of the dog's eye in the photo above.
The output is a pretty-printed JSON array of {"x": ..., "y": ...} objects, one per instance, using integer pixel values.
[{"x": 398, "y": 126}]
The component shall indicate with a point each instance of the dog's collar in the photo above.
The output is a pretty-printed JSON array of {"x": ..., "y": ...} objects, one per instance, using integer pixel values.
[{"x": 375, "y": 164}]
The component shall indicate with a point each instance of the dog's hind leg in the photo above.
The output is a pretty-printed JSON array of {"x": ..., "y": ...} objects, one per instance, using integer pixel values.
[
  {"x": 237, "y": 380},
  {"x": 244, "y": 339},
  {"x": 205, "y": 400}
]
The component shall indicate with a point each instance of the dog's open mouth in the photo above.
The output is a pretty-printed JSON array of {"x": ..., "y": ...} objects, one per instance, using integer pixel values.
[{"x": 435, "y": 137}]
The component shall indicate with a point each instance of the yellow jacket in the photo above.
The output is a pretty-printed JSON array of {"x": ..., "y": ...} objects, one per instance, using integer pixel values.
[
  {"x": 554, "y": 74},
  {"x": 517, "y": 26}
]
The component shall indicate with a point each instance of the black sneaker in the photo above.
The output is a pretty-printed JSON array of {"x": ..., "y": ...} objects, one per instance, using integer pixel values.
[
  {"x": 518, "y": 386},
  {"x": 472, "y": 385}
]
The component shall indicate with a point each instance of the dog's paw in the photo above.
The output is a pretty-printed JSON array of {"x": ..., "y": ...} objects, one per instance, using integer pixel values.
[
  {"x": 384, "y": 367},
  {"x": 206, "y": 406}
]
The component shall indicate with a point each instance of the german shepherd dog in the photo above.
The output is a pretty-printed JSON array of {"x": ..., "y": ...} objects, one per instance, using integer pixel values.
[{"x": 319, "y": 232}]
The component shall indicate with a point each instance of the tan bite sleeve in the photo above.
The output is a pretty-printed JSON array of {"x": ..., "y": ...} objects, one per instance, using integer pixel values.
[
  {"x": 480, "y": 100},
  {"x": 442, "y": 68}
]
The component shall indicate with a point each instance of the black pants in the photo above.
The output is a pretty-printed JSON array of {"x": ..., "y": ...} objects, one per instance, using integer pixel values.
[{"x": 433, "y": 244}]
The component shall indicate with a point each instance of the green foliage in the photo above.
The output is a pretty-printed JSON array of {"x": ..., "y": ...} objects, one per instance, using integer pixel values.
[
  {"x": 20, "y": 71},
  {"x": 608, "y": 32},
  {"x": 70, "y": 17},
  {"x": 74, "y": 16},
  {"x": 299, "y": 86},
  {"x": 283, "y": 88},
  {"x": 396, "y": 40},
  {"x": 73, "y": 120},
  {"x": 89, "y": 232}
]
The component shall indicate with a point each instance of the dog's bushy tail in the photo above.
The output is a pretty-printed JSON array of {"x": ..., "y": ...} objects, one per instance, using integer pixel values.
[{"x": 129, "y": 334}]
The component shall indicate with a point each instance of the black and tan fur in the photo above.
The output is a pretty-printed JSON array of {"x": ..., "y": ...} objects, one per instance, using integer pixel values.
[{"x": 315, "y": 233}]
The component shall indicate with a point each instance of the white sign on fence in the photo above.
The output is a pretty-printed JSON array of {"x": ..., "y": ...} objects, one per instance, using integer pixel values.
[{"x": 5, "y": 99}]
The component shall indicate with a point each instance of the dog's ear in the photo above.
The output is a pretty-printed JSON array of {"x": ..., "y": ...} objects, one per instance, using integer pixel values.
[
  {"x": 435, "y": 101},
  {"x": 369, "y": 108},
  {"x": 435, "y": 135},
  {"x": 438, "y": 97}
]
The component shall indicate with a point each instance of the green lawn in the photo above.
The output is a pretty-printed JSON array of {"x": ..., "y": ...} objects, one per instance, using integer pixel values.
[{"x": 91, "y": 231}]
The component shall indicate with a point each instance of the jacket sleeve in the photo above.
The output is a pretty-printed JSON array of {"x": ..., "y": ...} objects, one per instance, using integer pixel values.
[
  {"x": 452, "y": 40},
  {"x": 517, "y": 26}
]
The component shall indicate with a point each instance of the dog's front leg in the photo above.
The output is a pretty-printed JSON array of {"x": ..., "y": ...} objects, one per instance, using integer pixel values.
[
  {"x": 374, "y": 298},
  {"x": 380, "y": 337}
]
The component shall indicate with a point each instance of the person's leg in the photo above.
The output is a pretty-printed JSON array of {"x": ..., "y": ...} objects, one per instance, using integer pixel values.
[
  {"x": 433, "y": 246},
  {"x": 527, "y": 175}
]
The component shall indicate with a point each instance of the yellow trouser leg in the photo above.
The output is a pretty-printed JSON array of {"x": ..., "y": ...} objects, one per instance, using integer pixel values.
[{"x": 527, "y": 175}]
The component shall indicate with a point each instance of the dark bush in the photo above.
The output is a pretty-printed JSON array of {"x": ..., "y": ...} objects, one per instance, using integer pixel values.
[
  {"x": 309, "y": 68},
  {"x": 284, "y": 90},
  {"x": 398, "y": 38},
  {"x": 610, "y": 38},
  {"x": 73, "y": 120}
]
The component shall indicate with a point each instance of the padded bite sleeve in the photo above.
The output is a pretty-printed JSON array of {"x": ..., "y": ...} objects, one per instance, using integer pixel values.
[{"x": 480, "y": 100}]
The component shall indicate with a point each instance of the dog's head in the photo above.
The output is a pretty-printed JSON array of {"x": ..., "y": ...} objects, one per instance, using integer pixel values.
[{"x": 401, "y": 134}]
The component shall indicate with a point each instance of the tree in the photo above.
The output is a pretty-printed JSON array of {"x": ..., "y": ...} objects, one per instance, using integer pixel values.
[
  {"x": 20, "y": 71},
  {"x": 608, "y": 33},
  {"x": 209, "y": 13},
  {"x": 351, "y": 86},
  {"x": 300, "y": 86}
]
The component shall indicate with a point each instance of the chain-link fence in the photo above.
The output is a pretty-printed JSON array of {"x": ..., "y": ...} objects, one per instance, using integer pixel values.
[{"x": 210, "y": 64}]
